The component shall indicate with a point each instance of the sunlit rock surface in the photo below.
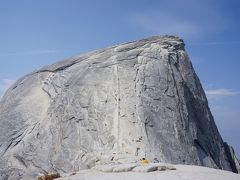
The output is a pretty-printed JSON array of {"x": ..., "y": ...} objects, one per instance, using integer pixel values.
[
  {"x": 118, "y": 104},
  {"x": 163, "y": 171}
]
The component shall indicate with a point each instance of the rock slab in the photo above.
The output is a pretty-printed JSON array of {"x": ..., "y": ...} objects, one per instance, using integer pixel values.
[
  {"x": 182, "y": 172},
  {"x": 118, "y": 104}
]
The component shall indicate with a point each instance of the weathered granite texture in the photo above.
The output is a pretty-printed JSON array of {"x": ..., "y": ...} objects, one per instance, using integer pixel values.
[
  {"x": 133, "y": 167},
  {"x": 234, "y": 162},
  {"x": 134, "y": 100}
]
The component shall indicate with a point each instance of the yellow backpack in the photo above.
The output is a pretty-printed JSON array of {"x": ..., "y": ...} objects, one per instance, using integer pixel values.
[{"x": 144, "y": 161}]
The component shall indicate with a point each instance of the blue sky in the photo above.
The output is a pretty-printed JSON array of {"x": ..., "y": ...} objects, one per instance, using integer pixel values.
[{"x": 35, "y": 33}]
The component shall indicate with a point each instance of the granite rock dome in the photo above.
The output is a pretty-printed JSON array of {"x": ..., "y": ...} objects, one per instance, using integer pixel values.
[{"x": 118, "y": 104}]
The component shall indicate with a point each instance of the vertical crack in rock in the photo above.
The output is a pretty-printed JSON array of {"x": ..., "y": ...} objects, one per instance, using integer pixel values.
[
  {"x": 118, "y": 106},
  {"x": 179, "y": 104}
]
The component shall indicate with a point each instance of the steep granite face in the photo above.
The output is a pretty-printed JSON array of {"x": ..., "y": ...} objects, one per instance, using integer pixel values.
[{"x": 119, "y": 104}]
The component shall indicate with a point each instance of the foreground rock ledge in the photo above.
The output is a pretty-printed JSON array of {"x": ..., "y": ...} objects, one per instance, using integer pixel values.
[
  {"x": 164, "y": 171},
  {"x": 118, "y": 104}
]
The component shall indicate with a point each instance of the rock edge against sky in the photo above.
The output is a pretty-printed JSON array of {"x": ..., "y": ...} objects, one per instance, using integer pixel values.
[{"x": 118, "y": 104}]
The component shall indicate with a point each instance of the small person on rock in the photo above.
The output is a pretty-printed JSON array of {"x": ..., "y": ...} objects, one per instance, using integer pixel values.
[{"x": 144, "y": 161}]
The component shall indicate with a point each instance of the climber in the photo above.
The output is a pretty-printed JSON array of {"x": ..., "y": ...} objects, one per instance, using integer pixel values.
[{"x": 144, "y": 161}]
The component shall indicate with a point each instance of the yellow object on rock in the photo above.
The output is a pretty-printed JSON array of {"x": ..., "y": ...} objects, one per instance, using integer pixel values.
[{"x": 144, "y": 161}]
